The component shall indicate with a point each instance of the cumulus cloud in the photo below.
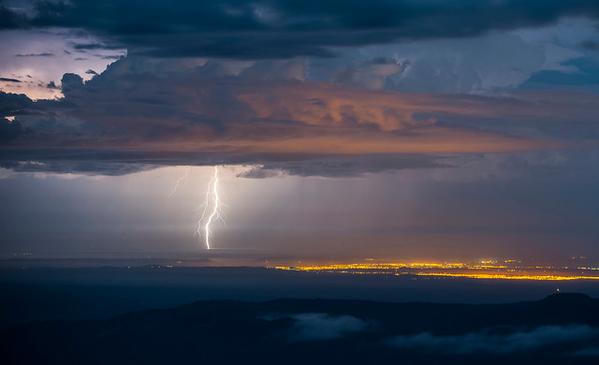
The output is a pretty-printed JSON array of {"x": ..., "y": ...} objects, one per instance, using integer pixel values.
[
  {"x": 488, "y": 342},
  {"x": 39, "y": 57}
]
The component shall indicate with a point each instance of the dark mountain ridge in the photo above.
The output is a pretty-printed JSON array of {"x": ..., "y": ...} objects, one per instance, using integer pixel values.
[{"x": 557, "y": 329}]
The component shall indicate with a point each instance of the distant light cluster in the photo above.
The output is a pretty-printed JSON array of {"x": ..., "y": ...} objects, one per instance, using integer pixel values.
[{"x": 482, "y": 269}]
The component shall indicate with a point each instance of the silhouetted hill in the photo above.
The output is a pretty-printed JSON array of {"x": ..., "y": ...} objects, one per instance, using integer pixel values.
[
  {"x": 569, "y": 299},
  {"x": 562, "y": 328}
]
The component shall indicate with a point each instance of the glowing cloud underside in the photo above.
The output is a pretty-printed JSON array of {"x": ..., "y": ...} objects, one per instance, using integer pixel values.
[{"x": 211, "y": 210}]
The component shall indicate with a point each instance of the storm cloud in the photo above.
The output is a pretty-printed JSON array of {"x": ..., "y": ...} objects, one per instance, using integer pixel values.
[
  {"x": 243, "y": 119},
  {"x": 327, "y": 89},
  {"x": 281, "y": 28},
  {"x": 214, "y": 111}
]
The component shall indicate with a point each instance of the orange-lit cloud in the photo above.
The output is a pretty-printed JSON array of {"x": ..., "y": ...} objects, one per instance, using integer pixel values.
[{"x": 126, "y": 111}]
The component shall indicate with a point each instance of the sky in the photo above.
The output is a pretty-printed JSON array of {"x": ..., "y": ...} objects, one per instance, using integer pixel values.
[{"x": 340, "y": 129}]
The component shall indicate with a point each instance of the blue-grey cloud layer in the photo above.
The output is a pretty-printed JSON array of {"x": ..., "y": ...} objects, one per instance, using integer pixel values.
[
  {"x": 496, "y": 343},
  {"x": 281, "y": 28}
]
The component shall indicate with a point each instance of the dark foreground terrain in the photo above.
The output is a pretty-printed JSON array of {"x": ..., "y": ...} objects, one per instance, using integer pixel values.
[
  {"x": 102, "y": 292},
  {"x": 562, "y": 328}
]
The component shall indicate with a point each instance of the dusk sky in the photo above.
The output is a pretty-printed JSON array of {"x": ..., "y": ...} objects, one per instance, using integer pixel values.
[{"x": 437, "y": 129}]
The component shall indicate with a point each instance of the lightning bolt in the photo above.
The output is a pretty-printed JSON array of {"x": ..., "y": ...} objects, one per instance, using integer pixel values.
[
  {"x": 211, "y": 211},
  {"x": 179, "y": 181}
]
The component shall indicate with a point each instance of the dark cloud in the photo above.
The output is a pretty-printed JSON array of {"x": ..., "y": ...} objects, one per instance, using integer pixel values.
[
  {"x": 42, "y": 54},
  {"x": 11, "y": 104},
  {"x": 81, "y": 167},
  {"x": 71, "y": 83},
  {"x": 121, "y": 162},
  {"x": 92, "y": 46},
  {"x": 496, "y": 343},
  {"x": 590, "y": 45},
  {"x": 6, "y": 79},
  {"x": 284, "y": 28},
  {"x": 343, "y": 166},
  {"x": 9, "y": 131},
  {"x": 10, "y": 19}
]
